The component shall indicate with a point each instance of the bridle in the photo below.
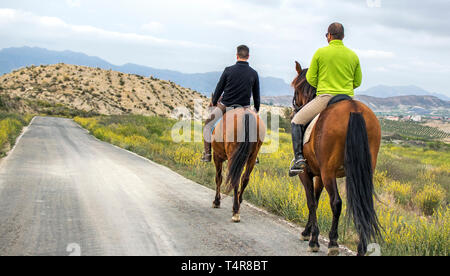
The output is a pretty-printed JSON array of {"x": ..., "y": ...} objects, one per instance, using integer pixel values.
[{"x": 296, "y": 106}]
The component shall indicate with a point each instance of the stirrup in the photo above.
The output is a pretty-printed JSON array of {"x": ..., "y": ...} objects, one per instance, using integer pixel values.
[
  {"x": 295, "y": 172},
  {"x": 207, "y": 158}
]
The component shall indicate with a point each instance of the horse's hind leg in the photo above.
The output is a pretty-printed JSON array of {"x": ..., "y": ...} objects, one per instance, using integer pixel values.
[
  {"x": 236, "y": 205},
  {"x": 336, "y": 207},
  {"x": 246, "y": 177},
  {"x": 318, "y": 188},
  {"x": 219, "y": 179},
  {"x": 312, "y": 229}
]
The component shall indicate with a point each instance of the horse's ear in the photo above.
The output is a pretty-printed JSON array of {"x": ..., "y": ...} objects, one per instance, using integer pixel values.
[{"x": 298, "y": 67}]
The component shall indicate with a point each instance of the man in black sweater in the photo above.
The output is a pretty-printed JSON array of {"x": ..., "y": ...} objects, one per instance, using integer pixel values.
[{"x": 235, "y": 88}]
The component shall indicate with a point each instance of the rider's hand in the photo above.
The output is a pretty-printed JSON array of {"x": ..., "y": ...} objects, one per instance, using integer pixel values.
[{"x": 211, "y": 104}]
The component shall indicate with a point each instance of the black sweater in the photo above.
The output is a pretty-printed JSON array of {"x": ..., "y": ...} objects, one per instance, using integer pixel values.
[{"x": 237, "y": 84}]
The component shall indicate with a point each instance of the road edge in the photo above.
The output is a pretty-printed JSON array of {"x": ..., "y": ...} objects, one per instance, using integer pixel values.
[{"x": 24, "y": 130}]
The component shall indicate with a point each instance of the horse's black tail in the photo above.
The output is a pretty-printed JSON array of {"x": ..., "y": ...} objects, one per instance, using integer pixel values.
[
  {"x": 360, "y": 189},
  {"x": 239, "y": 159}
]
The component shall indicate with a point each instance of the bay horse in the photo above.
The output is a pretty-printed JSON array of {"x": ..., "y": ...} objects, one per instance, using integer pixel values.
[
  {"x": 237, "y": 138},
  {"x": 344, "y": 143}
]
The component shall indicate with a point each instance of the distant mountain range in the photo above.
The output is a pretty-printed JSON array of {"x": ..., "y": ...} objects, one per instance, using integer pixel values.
[
  {"x": 205, "y": 83},
  {"x": 383, "y": 91},
  {"x": 423, "y": 105},
  {"x": 419, "y": 105}
]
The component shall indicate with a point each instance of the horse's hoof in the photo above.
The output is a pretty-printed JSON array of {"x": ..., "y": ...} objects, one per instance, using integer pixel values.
[
  {"x": 216, "y": 206},
  {"x": 236, "y": 218},
  {"x": 305, "y": 238},
  {"x": 313, "y": 249},
  {"x": 334, "y": 251}
]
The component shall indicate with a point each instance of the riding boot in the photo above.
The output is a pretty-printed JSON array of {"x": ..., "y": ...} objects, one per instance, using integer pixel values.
[
  {"x": 299, "y": 163},
  {"x": 207, "y": 156}
]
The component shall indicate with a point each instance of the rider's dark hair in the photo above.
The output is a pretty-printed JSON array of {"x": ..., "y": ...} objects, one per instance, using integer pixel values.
[
  {"x": 337, "y": 30},
  {"x": 243, "y": 52}
]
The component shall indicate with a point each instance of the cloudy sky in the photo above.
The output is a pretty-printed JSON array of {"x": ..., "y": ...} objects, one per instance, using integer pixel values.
[{"x": 400, "y": 42}]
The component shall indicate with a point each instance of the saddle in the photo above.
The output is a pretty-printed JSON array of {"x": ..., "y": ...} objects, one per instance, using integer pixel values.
[
  {"x": 221, "y": 119},
  {"x": 333, "y": 101}
]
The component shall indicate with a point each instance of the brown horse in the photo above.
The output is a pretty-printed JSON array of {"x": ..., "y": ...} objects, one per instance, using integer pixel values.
[
  {"x": 344, "y": 143},
  {"x": 237, "y": 139}
]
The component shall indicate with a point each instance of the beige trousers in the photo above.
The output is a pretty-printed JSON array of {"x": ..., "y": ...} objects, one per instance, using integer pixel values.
[{"x": 312, "y": 109}]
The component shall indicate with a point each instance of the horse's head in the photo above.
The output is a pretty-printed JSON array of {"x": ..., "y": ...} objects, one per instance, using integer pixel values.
[{"x": 304, "y": 92}]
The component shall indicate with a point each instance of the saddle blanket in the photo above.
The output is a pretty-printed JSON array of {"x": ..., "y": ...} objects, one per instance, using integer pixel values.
[
  {"x": 309, "y": 130},
  {"x": 333, "y": 101},
  {"x": 215, "y": 125}
]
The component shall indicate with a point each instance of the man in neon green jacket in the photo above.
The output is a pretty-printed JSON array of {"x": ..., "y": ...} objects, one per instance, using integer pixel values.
[{"x": 334, "y": 70}]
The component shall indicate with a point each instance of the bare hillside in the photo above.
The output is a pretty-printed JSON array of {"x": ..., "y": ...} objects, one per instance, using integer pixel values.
[{"x": 93, "y": 90}]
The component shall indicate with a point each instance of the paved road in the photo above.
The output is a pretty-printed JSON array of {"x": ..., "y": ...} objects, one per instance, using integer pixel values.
[{"x": 61, "y": 187}]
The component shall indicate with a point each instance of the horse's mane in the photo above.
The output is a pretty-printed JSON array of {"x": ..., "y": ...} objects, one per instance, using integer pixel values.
[{"x": 301, "y": 84}]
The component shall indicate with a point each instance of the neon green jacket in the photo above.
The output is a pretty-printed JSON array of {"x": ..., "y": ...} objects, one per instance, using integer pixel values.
[{"x": 334, "y": 70}]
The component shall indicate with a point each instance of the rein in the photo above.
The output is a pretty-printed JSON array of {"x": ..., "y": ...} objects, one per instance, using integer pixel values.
[{"x": 296, "y": 106}]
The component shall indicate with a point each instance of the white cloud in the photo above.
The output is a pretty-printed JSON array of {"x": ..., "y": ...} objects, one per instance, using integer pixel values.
[
  {"x": 73, "y": 3},
  {"x": 381, "y": 69},
  {"x": 47, "y": 21},
  {"x": 7, "y": 14},
  {"x": 49, "y": 25},
  {"x": 226, "y": 23},
  {"x": 429, "y": 66},
  {"x": 153, "y": 27},
  {"x": 374, "y": 54}
]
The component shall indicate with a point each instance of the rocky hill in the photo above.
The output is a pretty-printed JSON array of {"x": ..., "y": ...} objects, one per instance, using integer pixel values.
[
  {"x": 285, "y": 101},
  {"x": 92, "y": 90},
  {"x": 417, "y": 104}
]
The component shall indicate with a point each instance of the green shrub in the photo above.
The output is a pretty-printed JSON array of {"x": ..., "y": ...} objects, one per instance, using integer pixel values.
[
  {"x": 10, "y": 127},
  {"x": 430, "y": 198},
  {"x": 401, "y": 192}
]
